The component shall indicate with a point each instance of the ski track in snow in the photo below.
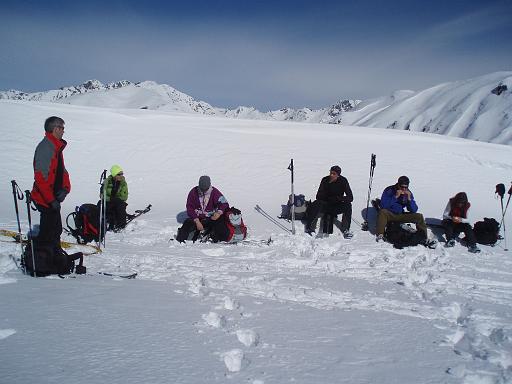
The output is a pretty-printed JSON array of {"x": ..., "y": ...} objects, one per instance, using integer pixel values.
[{"x": 328, "y": 273}]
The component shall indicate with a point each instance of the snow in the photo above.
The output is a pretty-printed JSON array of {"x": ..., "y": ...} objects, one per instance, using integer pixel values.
[{"x": 302, "y": 309}]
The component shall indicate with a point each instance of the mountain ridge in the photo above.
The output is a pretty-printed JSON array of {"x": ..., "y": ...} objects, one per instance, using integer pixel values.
[{"x": 478, "y": 108}]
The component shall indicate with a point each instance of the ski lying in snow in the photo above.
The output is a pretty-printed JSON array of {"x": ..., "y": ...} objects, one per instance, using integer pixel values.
[
  {"x": 89, "y": 249},
  {"x": 270, "y": 218},
  {"x": 257, "y": 242},
  {"x": 124, "y": 275},
  {"x": 138, "y": 212}
]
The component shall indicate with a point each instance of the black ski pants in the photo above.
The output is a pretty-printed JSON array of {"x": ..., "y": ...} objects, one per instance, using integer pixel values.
[
  {"x": 330, "y": 211},
  {"x": 116, "y": 213},
  {"x": 50, "y": 225},
  {"x": 452, "y": 230},
  {"x": 216, "y": 229}
]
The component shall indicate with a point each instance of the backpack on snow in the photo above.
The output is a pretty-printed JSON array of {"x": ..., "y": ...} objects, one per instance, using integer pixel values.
[
  {"x": 87, "y": 223},
  {"x": 50, "y": 260},
  {"x": 235, "y": 228},
  {"x": 301, "y": 206},
  {"x": 402, "y": 235},
  {"x": 487, "y": 231}
]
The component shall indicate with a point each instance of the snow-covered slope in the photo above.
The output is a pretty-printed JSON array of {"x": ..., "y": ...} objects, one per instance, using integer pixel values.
[
  {"x": 302, "y": 310},
  {"x": 478, "y": 109}
]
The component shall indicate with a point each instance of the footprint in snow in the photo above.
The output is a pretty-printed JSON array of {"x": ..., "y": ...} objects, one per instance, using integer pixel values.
[
  {"x": 234, "y": 360},
  {"x": 214, "y": 320},
  {"x": 247, "y": 337}
]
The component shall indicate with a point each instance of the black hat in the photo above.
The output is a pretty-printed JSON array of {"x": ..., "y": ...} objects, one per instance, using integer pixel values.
[
  {"x": 403, "y": 180},
  {"x": 337, "y": 169},
  {"x": 204, "y": 183}
]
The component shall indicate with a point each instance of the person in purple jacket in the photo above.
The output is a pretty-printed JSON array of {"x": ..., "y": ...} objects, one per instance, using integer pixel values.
[
  {"x": 205, "y": 206},
  {"x": 393, "y": 203}
]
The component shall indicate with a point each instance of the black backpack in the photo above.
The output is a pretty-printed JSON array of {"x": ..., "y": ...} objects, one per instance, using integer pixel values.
[
  {"x": 301, "y": 206},
  {"x": 50, "y": 260},
  {"x": 86, "y": 223},
  {"x": 402, "y": 235},
  {"x": 487, "y": 231}
]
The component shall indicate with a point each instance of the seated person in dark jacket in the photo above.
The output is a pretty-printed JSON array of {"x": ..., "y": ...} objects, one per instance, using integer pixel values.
[
  {"x": 455, "y": 221},
  {"x": 334, "y": 196},
  {"x": 395, "y": 199}
]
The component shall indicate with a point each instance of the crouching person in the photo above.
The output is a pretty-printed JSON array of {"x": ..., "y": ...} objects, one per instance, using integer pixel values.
[
  {"x": 116, "y": 196},
  {"x": 455, "y": 221},
  {"x": 205, "y": 207},
  {"x": 394, "y": 201}
]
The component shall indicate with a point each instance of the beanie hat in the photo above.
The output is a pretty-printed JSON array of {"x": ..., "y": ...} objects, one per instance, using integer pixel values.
[
  {"x": 337, "y": 169},
  {"x": 116, "y": 169},
  {"x": 403, "y": 180},
  {"x": 204, "y": 183}
]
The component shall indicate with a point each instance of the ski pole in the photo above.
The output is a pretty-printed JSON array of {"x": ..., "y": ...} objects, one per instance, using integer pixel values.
[
  {"x": 17, "y": 193},
  {"x": 28, "y": 197},
  {"x": 290, "y": 167},
  {"x": 103, "y": 221},
  {"x": 373, "y": 164}
]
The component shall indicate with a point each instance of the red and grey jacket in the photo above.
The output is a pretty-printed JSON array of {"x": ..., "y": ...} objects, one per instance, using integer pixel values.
[{"x": 50, "y": 174}]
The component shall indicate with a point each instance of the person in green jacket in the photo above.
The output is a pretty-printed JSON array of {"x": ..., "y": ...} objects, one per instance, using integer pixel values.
[{"x": 116, "y": 197}]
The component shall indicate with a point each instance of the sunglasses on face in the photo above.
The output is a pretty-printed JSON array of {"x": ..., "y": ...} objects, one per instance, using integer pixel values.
[{"x": 404, "y": 186}]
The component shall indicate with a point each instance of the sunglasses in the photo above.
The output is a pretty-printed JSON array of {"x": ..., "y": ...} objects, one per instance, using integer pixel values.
[
  {"x": 120, "y": 174},
  {"x": 404, "y": 186}
]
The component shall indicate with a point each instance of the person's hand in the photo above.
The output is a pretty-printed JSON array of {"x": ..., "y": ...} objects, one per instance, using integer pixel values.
[
  {"x": 408, "y": 193},
  {"x": 55, "y": 205},
  {"x": 215, "y": 216},
  {"x": 61, "y": 195},
  {"x": 398, "y": 193},
  {"x": 199, "y": 225}
]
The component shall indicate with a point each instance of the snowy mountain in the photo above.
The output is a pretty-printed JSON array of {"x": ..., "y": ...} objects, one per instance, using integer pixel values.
[
  {"x": 301, "y": 310},
  {"x": 478, "y": 108},
  {"x": 121, "y": 94}
]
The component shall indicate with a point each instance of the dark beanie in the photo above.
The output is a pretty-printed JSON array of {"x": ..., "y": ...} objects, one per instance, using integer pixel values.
[
  {"x": 403, "y": 180},
  {"x": 204, "y": 183},
  {"x": 337, "y": 169}
]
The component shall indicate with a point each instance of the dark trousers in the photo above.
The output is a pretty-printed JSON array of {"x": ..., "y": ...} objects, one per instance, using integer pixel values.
[
  {"x": 116, "y": 213},
  {"x": 330, "y": 210},
  {"x": 50, "y": 225},
  {"x": 215, "y": 228},
  {"x": 452, "y": 230}
]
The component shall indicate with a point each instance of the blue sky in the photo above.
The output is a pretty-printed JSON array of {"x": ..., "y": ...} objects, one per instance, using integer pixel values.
[{"x": 256, "y": 53}]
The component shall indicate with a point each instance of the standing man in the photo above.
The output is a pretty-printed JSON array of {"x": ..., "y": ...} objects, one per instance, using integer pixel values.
[
  {"x": 51, "y": 180},
  {"x": 334, "y": 196},
  {"x": 395, "y": 199}
]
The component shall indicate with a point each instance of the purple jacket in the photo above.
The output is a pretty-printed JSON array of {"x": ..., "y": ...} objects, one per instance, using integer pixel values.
[{"x": 204, "y": 205}]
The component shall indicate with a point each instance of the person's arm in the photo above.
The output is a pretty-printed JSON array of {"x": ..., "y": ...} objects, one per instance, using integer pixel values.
[
  {"x": 322, "y": 190},
  {"x": 348, "y": 197},
  {"x": 42, "y": 163},
  {"x": 411, "y": 203},
  {"x": 390, "y": 202},
  {"x": 122, "y": 193},
  {"x": 192, "y": 204},
  {"x": 446, "y": 213}
]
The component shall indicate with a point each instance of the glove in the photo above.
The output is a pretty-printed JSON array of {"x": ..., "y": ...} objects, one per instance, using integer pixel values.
[
  {"x": 55, "y": 205},
  {"x": 61, "y": 195}
]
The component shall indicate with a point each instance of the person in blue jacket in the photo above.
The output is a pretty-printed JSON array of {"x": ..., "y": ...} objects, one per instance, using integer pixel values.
[{"x": 397, "y": 204}]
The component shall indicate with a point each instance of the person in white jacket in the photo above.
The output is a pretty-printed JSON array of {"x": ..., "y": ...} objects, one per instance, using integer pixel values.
[{"x": 455, "y": 221}]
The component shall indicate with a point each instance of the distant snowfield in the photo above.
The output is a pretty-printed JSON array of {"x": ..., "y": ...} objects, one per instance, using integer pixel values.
[{"x": 301, "y": 310}]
